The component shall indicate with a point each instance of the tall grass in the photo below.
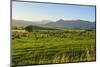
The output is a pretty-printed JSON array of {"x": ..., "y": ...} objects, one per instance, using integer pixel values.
[{"x": 48, "y": 47}]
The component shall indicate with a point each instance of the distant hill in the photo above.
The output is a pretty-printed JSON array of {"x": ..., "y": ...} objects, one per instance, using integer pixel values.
[
  {"x": 60, "y": 24},
  {"x": 77, "y": 24},
  {"x": 24, "y": 23},
  {"x": 20, "y": 23},
  {"x": 41, "y": 28}
]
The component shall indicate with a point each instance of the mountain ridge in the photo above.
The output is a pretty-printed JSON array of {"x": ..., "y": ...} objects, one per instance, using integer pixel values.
[{"x": 81, "y": 24}]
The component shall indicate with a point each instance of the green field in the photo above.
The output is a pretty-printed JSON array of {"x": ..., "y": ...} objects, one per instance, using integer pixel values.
[{"x": 53, "y": 46}]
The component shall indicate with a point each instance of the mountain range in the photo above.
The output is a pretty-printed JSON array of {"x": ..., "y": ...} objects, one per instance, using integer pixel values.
[{"x": 60, "y": 24}]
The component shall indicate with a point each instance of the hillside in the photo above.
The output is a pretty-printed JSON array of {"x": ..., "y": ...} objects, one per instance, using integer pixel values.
[
  {"x": 60, "y": 24},
  {"x": 20, "y": 23},
  {"x": 80, "y": 24},
  {"x": 41, "y": 28}
]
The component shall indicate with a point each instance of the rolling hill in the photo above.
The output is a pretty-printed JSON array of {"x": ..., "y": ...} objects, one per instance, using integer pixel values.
[
  {"x": 80, "y": 24},
  {"x": 60, "y": 24},
  {"x": 23, "y": 23}
]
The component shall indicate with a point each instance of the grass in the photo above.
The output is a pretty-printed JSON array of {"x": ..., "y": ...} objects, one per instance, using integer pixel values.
[{"x": 53, "y": 46}]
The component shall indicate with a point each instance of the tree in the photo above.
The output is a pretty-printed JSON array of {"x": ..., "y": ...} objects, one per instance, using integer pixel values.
[
  {"x": 14, "y": 27},
  {"x": 29, "y": 28}
]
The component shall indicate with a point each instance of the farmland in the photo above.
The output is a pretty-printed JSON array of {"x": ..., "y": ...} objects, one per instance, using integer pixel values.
[{"x": 53, "y": 46}]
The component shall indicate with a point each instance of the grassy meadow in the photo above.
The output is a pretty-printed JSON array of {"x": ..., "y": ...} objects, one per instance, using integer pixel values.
[{"x": 52, "y": 46}]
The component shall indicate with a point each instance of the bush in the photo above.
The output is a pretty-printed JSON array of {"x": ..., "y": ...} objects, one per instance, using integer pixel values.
[{"x": 29, "y": 28}]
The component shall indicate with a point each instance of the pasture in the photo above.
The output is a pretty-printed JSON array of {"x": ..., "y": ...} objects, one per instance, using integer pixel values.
[{"x": 53, "y": 46}]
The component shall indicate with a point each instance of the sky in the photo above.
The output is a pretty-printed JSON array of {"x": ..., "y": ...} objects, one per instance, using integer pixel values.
[{"x": 32, "y": 11}]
